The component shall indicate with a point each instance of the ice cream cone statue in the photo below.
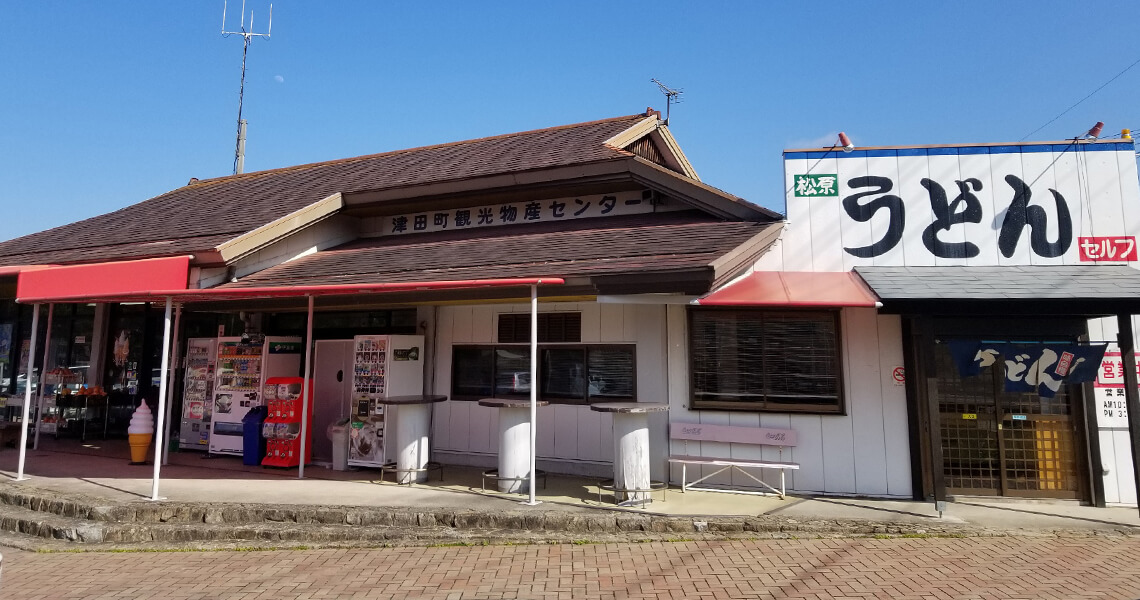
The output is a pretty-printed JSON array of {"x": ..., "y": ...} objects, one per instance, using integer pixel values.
[{"x": 140, "y": 432}]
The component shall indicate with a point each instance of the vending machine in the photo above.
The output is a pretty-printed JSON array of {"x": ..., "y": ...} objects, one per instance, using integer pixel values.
[
  {"x": 383, "y": 366},
  {"x": 282, "y": 428},
  {"x": 242, "y": 368},
  {"x": 197, "y": 393}
]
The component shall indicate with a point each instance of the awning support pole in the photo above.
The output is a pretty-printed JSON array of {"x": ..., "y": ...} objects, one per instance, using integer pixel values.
[
  {"x": 533, "y": 387},
  {"x": 164, "y": 374},
  {"x": 1131, "y": 393},
  {"x": 43, "y": 376},
  {"x": 175, "y": 357},
  {"x": 28, "y": 392},
  {"x": 305, "y": 391}
]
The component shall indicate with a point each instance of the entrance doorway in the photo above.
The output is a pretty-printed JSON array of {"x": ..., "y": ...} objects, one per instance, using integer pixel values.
[{"x": 1001, "y": 443}]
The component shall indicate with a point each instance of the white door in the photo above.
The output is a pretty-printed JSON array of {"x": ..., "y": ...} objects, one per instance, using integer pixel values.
[{"x": 332, "y": 385}]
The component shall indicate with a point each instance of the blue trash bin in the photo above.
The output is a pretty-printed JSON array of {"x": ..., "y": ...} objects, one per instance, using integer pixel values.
[{"x": 253, "y": 442}]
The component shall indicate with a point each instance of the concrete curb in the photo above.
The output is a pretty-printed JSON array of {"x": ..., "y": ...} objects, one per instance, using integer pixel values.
[{"x": 76, "y": 520}]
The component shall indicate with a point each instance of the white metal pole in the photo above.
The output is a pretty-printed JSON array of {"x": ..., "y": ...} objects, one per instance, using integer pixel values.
[
  {"x": 43, "y": 376},
  {"x": 305, "y": 391},
  {"x": 175, "y": 356},
  {"x": 28, "y": 392},
  {"x": 533, "y": 385},
  {"x": 163, "y": 375}
]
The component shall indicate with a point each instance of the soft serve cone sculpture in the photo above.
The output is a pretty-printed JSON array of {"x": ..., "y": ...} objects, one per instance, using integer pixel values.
[{"x": 140, "y": 432}]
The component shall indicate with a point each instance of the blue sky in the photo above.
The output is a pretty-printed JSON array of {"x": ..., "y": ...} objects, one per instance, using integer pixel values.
[{"x": 105, "y": 104}]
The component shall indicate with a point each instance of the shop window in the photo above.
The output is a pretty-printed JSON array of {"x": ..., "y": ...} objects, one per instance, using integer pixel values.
[
  {"x": 553, "y": 328},
  {"x": 568, "y": 374},
  {"x": 780, "y": 361}
]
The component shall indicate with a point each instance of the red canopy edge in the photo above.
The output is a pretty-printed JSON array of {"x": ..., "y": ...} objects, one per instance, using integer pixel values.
[
  {"x": 248, "y": 293},
  {"x": 795, "y": 289},
  {"x": 118, "y": 278}
]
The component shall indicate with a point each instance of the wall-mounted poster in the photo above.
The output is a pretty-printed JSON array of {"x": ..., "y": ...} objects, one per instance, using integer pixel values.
[{"x": 5, "y": 342}]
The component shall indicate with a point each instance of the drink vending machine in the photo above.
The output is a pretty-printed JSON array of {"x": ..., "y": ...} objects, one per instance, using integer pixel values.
[
  {"x": 383, "y": 366},
  {"x": 282, "y": 428},
  {"x": 242, "y": 368}
]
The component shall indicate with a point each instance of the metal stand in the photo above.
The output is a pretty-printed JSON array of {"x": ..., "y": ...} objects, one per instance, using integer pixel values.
[
  {"x": 644, "y": 495},
  {"x": 493, "y": 475},
  {"x": 402, "y": 475}
]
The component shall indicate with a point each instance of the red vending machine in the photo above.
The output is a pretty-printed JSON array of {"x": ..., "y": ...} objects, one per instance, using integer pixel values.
[{"x": 282, "y": 428}]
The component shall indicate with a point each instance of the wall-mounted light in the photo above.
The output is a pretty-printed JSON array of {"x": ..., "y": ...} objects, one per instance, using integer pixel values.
[{"x": 845, "y": 142}]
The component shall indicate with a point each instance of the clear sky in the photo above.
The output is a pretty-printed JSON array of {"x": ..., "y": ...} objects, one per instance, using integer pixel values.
[{"x": 105, "y": 104}]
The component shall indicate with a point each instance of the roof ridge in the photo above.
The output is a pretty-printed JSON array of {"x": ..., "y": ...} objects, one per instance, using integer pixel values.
[{"x": 350, "y": 159}]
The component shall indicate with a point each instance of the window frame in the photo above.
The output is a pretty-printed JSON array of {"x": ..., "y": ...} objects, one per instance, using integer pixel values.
[
  {"x": 586, "y": 348},
  {"x": 839, "y": 408}
]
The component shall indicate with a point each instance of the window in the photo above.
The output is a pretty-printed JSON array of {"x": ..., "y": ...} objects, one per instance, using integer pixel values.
[
  {"x": 568, "y": 373},
  {"x": 766, "y": 360},
  {"x": 553, "y": 327}
]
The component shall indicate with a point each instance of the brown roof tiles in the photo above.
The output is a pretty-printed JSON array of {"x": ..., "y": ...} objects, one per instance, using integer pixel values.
[{"x": 200, "y": 215}]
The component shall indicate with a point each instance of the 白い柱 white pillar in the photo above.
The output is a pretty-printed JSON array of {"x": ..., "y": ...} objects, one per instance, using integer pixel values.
[
  {"x": 514, "y": 448},
  {"x": 631, "y": 454},
  {"x": 28, "y": 392},
  {"x": 412, "y": 424},
  {"x": 160, "y": 430}
]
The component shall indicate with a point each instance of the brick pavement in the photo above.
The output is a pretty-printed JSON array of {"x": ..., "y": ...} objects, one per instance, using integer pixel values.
[{"x": 899, "y": 568}]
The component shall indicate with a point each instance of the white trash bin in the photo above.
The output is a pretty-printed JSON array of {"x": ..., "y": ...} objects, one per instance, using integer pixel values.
[{"x": 338, "y": 433}]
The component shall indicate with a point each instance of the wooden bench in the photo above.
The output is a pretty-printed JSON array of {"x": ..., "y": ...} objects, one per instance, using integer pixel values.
[{"x": 757, "y": 436}]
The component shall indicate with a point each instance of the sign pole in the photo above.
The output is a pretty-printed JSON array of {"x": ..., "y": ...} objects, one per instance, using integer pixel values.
[
  {"x": 28, "y": 392},
  {"x": 1127, "y": 345}
]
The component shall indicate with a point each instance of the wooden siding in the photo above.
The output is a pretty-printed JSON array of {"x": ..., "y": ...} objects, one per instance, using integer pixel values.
[{"x": 568, "y": 433}]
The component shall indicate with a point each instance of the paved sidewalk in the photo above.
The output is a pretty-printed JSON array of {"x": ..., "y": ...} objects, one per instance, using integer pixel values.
[
  {"x": 99, "y": 470},
  {"x": 896, "y": 569}
]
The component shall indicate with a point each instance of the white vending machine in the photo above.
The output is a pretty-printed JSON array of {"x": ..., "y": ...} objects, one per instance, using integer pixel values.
[
  {"x": 242, "y": 368},
  {"x": 383, "y": 366},
  {"x": 197, "y": 393}
]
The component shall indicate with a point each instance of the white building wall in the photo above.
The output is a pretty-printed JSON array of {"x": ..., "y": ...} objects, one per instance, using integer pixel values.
[
  {"x": 865, "y": 452},
  {"x": 570, "y": 438}
]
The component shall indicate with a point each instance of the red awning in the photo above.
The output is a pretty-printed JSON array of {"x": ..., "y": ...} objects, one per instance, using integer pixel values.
[
  {"x": 299, "y": 291},
  {"x": 794, "y": 288},
  {"x": 106, "y": 279}
]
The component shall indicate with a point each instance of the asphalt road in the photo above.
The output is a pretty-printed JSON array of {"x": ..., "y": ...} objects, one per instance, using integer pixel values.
[{"x": 896, "y": 568}]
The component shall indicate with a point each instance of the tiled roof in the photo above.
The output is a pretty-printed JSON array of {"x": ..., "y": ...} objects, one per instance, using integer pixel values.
[
  {"x": 227, "y": 207},
  {"x": 1043, "y": 282},
  {"x": 609, "y": 246}
]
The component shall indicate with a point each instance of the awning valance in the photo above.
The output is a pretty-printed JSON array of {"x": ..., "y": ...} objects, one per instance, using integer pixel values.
[
  {"x": 794, "y": 289},
  {"x": 106, "y": 279}
]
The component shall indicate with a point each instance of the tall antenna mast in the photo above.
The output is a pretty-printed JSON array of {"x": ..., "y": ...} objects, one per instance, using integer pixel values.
[
  {"x": 239, "y": 150},
  {"x": 671, "y": 96}
]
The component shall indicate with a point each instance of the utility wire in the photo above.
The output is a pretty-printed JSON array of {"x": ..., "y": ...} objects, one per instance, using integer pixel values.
[{"x": 1093, "y": 93}]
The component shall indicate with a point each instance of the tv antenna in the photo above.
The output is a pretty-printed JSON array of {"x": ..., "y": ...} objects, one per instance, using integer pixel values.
[
  {"x": 247, "y": 36},
  {"x": 672, "y": 96}
]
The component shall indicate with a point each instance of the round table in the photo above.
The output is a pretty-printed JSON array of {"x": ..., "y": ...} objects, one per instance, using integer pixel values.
[
  {"x": 514, "y": 441},
  {"x": 413, "y": 425},
  {"x": 631, "y": 447}
]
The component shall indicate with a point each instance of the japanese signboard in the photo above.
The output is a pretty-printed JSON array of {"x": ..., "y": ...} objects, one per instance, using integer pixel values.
[
  {"x": 518, "y": 213},
  {"x": 970, "y": 205},
  {"x": 1111, "y": 410}
]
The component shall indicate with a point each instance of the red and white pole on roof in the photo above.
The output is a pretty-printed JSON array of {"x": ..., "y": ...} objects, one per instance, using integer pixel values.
[
  {"x": 28, "y": 393},
  {"x": 160, "y": 430}
]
